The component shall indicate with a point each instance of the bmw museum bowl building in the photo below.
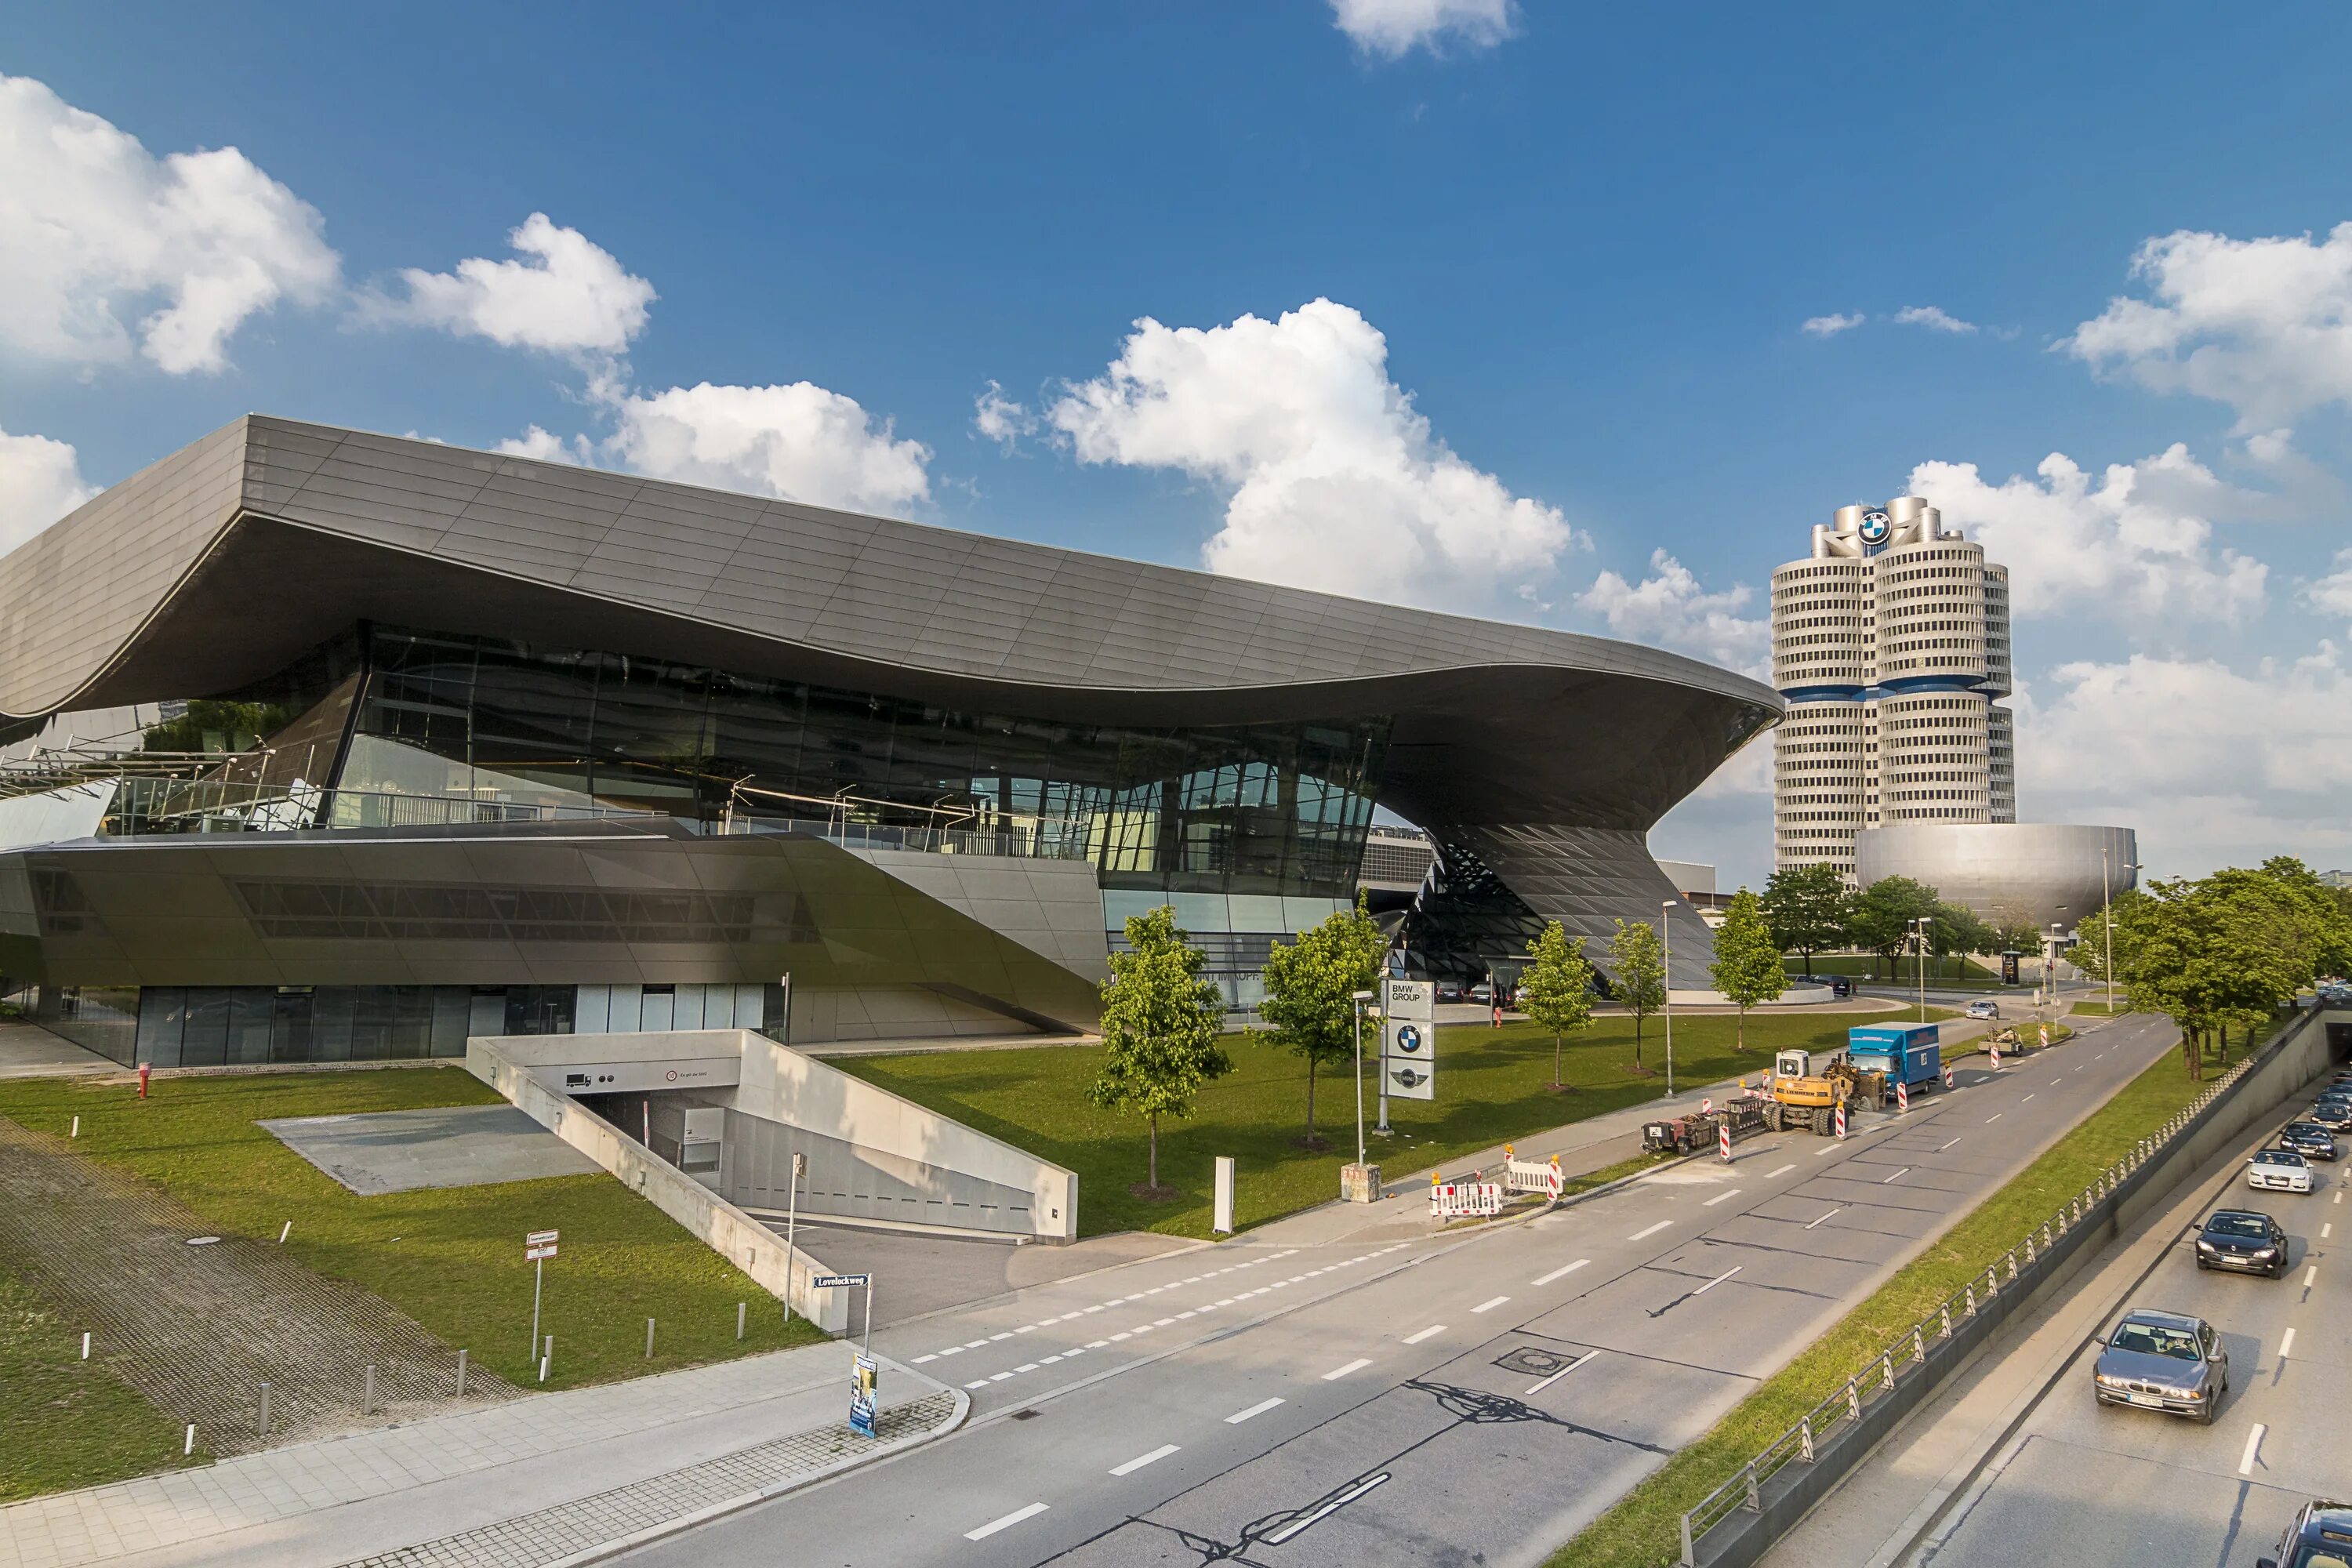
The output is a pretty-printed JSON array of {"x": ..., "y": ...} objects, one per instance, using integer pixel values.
[{"x": 333, "y": 746}]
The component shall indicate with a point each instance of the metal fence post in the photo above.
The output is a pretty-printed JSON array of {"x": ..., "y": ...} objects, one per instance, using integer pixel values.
[
  {"x": 1948, "y": 1320},
  {"x": 1918, "y": 1345},
  {"x": 367, "y": 1399},
  {"x": 1972, "y": 1301},
  {"x": 1805, "y": 1437},
  {"x": 1886, "y": 1370},
  {"x": 1853, "y": 1398},
  {"x": 1689, "y": 1560},
  {"x": 1755, "y": 1501}
]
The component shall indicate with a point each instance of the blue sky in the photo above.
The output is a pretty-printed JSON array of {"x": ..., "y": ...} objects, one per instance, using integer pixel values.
[{"x": 1567, "y": 255}]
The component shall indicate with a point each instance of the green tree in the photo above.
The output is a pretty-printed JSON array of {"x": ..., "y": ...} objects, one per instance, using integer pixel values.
[
  {"x": 1637, "y": 969},
  {"x": 1806, "y": 908},
  {"x": 1884, "y": 913},
  {"x": 1956, "y": 929},
  {"x": 1310, "y": 988},
  {"x": 209, "y": 725},
  {"x": 1556, "y": 989},
  {"x": 1159, "y": 1026},
  {"x": 1747, "y": 968}
]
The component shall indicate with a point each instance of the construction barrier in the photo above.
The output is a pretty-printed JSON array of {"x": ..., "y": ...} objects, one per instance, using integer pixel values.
[
  {"x": 1532, "y": 1176},
  {"x": 1840, "y": 1119},
  {"x": 1723, "y": 1140},
  {"x": 1465, "y": 1200},
  {"x": 1902, "y": 1098}
]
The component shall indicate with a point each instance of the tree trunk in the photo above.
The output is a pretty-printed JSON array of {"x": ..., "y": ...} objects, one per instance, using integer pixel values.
[
  {"x": 1637, "y": 1041},
  {"x": 1739, "y": 1030},
  {"x": 1310, "y": 1100},
  {"x": 1555, "y": 1062},
  {"x": 1154, "y": 1168}
]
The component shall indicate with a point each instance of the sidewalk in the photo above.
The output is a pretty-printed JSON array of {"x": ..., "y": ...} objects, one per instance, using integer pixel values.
[
  {"x": 544, "y": 1479},
  {"x": 27, "y": 1050}
]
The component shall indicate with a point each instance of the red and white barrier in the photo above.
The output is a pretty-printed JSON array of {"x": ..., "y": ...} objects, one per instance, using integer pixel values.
[
  {"x": 1534, "y": 1176},
  {"x": 1704, "y": 1106},
  {"x": 1840, "y": 1119},
  {"x": 1947, "y": 1076},
  {"x": 1465, "y": 1200},
  {"x": 1902, "y": 1097},
  {"x": 1994, "y": 1051},
  {"x": 1723, "y": 1140}
]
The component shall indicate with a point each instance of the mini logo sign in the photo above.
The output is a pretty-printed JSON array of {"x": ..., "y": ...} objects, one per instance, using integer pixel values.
[{"x": 1875, "y": 527}]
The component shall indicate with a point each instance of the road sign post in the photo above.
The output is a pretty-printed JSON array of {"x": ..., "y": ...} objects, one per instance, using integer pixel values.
[
  {"x": 865, "y": 1375},
  {"x": 538, "y": 1247},
  {"x": 791, "y": 1222}
]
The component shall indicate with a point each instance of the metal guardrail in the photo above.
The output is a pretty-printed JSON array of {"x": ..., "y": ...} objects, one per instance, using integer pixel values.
[
  {"x": 1055, "y": 841},
  {"x": 1906, "y": 1354}
]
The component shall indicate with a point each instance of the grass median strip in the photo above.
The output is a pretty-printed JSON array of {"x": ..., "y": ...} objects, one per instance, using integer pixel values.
[{"x": 1643, "y": 1530}]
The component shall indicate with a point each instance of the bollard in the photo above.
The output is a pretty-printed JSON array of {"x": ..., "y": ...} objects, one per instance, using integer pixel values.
[
  {"x": 264, "y": 1408},
  {"x": 461, "y": 1374},
  {"x": 85, "y": 1347},
  {"x": 367, "y": 1398},
  {"x": 284, "y": 1231},
  {"x": 189, "y": 1447},
  {"x": 76, "y": 1128},
  {"x": 543, "y": 1369},
  {"x": 739, "y": 1309},
  {"x": 649, "y": 1338}
]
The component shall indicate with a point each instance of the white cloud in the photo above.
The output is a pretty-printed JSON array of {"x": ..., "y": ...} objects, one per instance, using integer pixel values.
[
  {"x": 570, "y": 296},
  {"x": 2263, "y": 325},
  {"x": 1934, "y": 318},
  {"x": 1335, "y": 480},
  {"x": 1000, "y": 418},
  {"x": 40, "y": 482},
  {"x": 1671, "y": 609},
  {"x": 90, "y": 224},
  {"x": 1394, "y": 28},
  {"x": 2132, "y": 545},
  {"x": 1830, "y": 326},
  {"x": 2212, "y": 766},
  {"x": 2331, "y": 595},
  {"x": 799, "y": 442},
  {"x": 546, "y": 446}
]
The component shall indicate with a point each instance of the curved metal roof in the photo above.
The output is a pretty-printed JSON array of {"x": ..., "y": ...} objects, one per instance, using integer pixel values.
[{"x": 229, "y": 559}]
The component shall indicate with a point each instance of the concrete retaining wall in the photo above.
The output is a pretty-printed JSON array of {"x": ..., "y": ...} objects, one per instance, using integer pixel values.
[{"x": 2284, "y": 1067}]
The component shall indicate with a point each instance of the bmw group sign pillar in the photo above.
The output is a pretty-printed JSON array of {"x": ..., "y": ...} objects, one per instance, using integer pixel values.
[{"x": 1408, "y": 1043}]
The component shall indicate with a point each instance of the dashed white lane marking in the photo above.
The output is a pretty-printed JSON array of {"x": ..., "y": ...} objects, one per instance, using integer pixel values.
[
  {"x": 1941, "y": 1147},
  {"x": 1116, "y": 1338},
  {"x": 1782, "y": 1171},
  {"x": 1028, "y": 1328},
  {"x": 2060, "y": 1082},
  {"x": 979, "y": 1383},
  {"x": 1825, "y": 1153},
  {"x": 1720, "y": 1197},
  {"x": 1277, "y": 1536},
  {"x": 1164, "y": 1322},
  {"x": 2326, "y": 1231},
  {"x": 2022, "y": 1101},
  {"x": 921, "y": 1359},
  {"x": 973, "y": 1345},
  {"x": 1000, "y": 1377},
  {"x": 2253, "y": 1448},
  {"x": 1140, "y": 1460},
  {"x": 1337, "y": 1372},
  {"x": 1993, "y": 1118},
  {"x": 1718, "y": 1279},
  {"x": 1432, "y": 1329},
  {"x": 1029, "y": 1366},
  {"x": 1651, "y": 1230},
  {"x": 1564, "y": 1268},
  {"x": 2287, "y": 1344},
  {"x": 2339, "y": 1198},
  {"x": 1563, "y": 1372},
  {"x": 2310, "y": 1273},
  {"x": 1838, "y": 1210},
  {"x": 1260, "y": 1408},
  {"x": 1010, "y": 1519},
  {"x": 1005, "y": 1335},
  {"x": 1490, "y": 1304},
  {"x": 1904, "y": 1172}
]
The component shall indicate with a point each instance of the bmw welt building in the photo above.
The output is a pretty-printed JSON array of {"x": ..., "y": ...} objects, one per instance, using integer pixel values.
[{"x": 454, "y": 743}]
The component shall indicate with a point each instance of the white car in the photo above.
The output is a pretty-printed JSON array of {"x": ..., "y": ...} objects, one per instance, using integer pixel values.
[
  {"x": 2279, "y": 1170},
  {"x": 1984, "y": 1007}
]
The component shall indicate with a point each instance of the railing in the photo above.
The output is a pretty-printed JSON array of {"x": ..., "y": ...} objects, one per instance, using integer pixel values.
[
  {"x": 1056, "y": 840},
  {"x": 146, "y": 806},
  {"x": 1905, "y": 1353}
]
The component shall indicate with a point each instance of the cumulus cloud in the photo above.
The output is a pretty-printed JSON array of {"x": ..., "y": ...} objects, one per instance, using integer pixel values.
[
  {"x": 1934, "y": 318},
  {"x": 1830, "y": 326},
  {"x": 2331, "y": 595},
  {"x": 93, "y": 226},
  {"x": 1671, "y": 609},
  {"x": 567, "y": 295},
  {"x": 2129, "y": 545},
  {"x": 1334, "y": 480},
  {"x": 799, "y": 442},
  {"x": 546, "y": 446},
  {"x": 1000, "y": 418},
  {"x": 1394, "y": 29},
  {"x": 2263, "y": 325},
  {"x": 40, "y": 482}
]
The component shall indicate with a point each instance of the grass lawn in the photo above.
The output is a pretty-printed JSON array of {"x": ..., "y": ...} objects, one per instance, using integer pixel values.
[
  {"x": 449, "y": 1257},
  {"x": 1492, "y": 1088},
  {"x": 67, "y": 1422},
  {"x": 1643, "y": 1530}
]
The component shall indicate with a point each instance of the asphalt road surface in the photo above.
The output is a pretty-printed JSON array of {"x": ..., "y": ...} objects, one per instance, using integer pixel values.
[
  {"x": 1455, "y": 1398},
  {"x": 2081, "y": 1484}
]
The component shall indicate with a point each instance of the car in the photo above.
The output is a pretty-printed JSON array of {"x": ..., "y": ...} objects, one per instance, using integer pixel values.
[
  {"x": 2279, "y": 1170},
  {"x": 1984, "y": 1007},
  {"x": 2310, "y": 1139},
  {"x": 2335, "y": 1115},
  {"x": 2244, "y": 1240},
  {"x": 1841, "y": 987},
  {"x": 1449, "y": 991},
  {"x": 2163, "y": 1361},
  {"x": 2319, "y": 1537},
  {"x": 1482, "y": 992}
]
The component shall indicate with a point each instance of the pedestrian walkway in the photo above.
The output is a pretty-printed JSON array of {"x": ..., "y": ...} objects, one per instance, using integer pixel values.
[
  {"x": 27, "y": 1050},
  {"x": 499, "y": 1484}
]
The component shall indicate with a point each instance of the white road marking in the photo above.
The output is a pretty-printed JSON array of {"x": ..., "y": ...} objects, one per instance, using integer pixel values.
[
  {"x": 1432, "y": 1329},
  {"x": 981, "y": 1383},
  {"x": 1563, "y": 1372},
  {"x": 2339, "y": 1198},
  {"x": 1276, "y": 1537},
  {"x": 1028, "y": 1328},
  {"x": 952, "y": 1350},
  {"x": 1652, "y": 1230},
  {"x": 1000, "y": 1377},
  {"x": 1838, "y": 1210},
  {"x": 1140, "y": 1460},
  {"x": 973, "y": 1345},
  {"x": 1566, "y": 1268},
  {"x": 2287, "y": 1344},
  {"x": 1337, "y": 1372},
  {"x": 2254, "y": 1446},
  {"x": 2326, "y": 1231},
  {"x": 2310, "y": 1273},
  {"x": 1005, "y": 1335},
  {"x": 2022, "y": 1101},
  {"x": 1718, "y": 1279},
  {"x": 1994, "y": 1116},
  {"x": 2060, "y": 1082},
  {"x": 1720, "y": 1198},
  {"x": 1904, "y": 1172},
  {"x": 1010, "y": 1519},
  {"x": 1782, "y": 1171},
  {"x": 1260, "y": 1408},
  {"x": 1827, "y": 1153},
  {"x": 1029, "y": 1366},
  {"x": 1052, "y": 1359},
  {"x": 1164, "y": 1322},
  {"x": 1941, "y": 1147},
  {"x": 1116, "y": 1338},
  {"x": 1096, "y": 1345},
  {"x": 1490, "y": 1304},
  {"x": 921, "y": 1359}
]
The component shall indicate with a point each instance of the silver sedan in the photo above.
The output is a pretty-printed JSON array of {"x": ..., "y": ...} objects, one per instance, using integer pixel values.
[{"x": 2164, "y": 1360}]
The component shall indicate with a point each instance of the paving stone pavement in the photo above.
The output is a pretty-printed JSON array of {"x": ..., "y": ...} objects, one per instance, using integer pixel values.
[{"x": 552, "y": 1535}]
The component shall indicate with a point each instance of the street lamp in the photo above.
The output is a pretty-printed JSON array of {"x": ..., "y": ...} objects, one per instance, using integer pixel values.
[
  {"x": 2050, "y": 960},
  {"x": 2107, "y": 918},
  {"x": 1919, "y": 928},
  {"x": 1360, "y": 998},
  {"x": 1667, "y": 989}
]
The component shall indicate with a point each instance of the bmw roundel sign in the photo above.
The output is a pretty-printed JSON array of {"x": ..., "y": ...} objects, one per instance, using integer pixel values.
[
  {"x": 1408, "y": 1039},
  {"x": 1875, "y": 527}
]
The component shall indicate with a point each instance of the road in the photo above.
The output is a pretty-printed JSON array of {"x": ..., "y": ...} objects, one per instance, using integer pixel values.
[
  {"x": 1448, "y": 1398},
  {"x": 2080, "y": 1484}
]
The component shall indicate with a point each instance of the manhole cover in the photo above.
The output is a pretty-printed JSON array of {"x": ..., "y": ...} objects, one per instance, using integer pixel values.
[
  {"x": 1533, "y": 1362},
  {"x": 201, "y": 1240}
]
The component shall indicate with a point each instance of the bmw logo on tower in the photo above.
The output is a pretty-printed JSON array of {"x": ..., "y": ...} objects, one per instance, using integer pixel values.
[{"x": 1875, "y": 527}]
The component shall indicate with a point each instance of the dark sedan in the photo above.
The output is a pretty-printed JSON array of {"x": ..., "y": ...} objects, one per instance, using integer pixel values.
[
  {"x": 2243, "y": 1240},
  {"x": 2320, "y": 1537},
  {"x": 2333, "y": 1112},
  {"x": 2312, "y": 1140}
]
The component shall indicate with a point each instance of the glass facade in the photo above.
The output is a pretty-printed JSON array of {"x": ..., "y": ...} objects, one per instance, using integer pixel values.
[{"x": 1259, "y": 814}]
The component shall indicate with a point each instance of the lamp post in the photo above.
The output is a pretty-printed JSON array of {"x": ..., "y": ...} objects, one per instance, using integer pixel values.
[
  {"x": 2107, "y": 918},
  {"x": 1666, "y": 985},
  {"x": 1919, "y": 928},
  {"x": 2050, "y": 962},
  {"x": 1360, "y": 998}
]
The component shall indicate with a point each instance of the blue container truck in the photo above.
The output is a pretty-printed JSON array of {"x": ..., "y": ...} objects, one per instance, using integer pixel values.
[{"x": 1904, "y": 1053}]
